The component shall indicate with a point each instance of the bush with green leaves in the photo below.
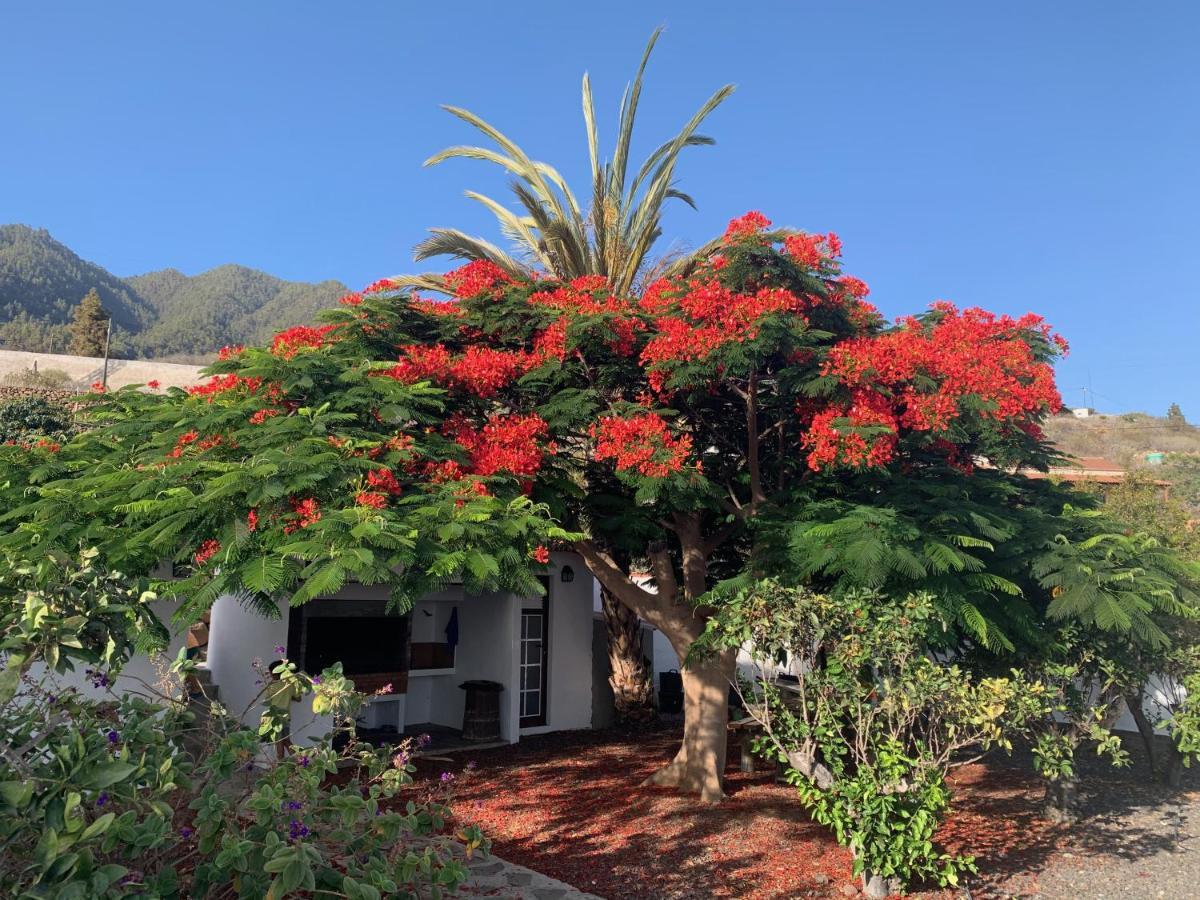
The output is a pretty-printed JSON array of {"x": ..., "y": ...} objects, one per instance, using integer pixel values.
[
  {"x": 869, "y": 722},
  {"x": 28, "y": 420},
  {"x": 145, "y": 793}
]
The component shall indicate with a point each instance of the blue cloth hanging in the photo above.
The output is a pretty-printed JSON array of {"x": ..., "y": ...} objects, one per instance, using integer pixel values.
[{"x": 452, "y": 630}]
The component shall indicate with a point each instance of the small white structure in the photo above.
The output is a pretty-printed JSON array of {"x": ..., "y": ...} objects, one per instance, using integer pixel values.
[
  {"x": 1083, "y": 412},
  {"x": 537, "y": 648}
]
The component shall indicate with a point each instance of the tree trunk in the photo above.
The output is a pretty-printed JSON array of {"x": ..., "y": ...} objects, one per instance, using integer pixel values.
[
  {"x": 699, "y": 766},
  {"x": 630, "y": 677},
  {"x": 1145, "y": 729}
]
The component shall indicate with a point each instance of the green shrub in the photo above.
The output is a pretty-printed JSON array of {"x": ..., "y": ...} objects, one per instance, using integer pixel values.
[
  {"x": 154, "y": 796},
  {"x": 871, "y": 722},
  {"x": 30, "y": 419}
]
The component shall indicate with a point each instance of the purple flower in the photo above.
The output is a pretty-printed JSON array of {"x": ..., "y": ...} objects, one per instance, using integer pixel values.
[
  {"x": 447, "y": 778},
  {"x": 291, "y": 804},
  {"x": 423, "y": 740},
  {"x": 303, "y": 760},
  {"x": 186, "y": 832},
  {"x": 280, "y": 650},
  {"x": 470, "y": 767},
  {"x": 113, "y": 737},
  {"x": 102, "y": 799},
  {"x": 297, "y": 830},
  {"x": 316, "y": 679}
]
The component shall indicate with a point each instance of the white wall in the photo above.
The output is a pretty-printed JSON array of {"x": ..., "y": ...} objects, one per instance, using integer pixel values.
[
  {"x": 141, "y": 674},
  {"x": 236, "y": 637},
  {"x": 569, "y": 680}
]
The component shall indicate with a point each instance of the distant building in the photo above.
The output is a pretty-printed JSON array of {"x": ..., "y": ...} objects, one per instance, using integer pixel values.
[
  {"x": 1083, "y": 412},
  {"x": 1095, "y": 470}
]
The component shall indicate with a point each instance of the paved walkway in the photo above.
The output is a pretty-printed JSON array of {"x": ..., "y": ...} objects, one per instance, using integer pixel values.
[{"x": 493, "y": 877}]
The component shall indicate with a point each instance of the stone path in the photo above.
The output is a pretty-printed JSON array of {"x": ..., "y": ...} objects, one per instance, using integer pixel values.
[{"x": 493, "y": 877}]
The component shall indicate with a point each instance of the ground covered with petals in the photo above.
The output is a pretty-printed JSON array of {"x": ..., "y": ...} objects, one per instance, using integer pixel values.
[{"x": 569, "y": 805}]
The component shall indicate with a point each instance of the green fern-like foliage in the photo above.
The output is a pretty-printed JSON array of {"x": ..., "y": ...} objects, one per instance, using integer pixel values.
[{"x": 253, "y": 485}]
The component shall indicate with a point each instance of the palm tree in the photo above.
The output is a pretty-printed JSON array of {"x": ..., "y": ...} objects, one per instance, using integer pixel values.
[
  {"x": 549, "y": 229},
  {"x": 551, "y": 232}
]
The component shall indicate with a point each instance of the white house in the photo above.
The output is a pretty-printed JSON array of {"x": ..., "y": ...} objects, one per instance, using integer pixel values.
[{"x": 539, "y": 649}]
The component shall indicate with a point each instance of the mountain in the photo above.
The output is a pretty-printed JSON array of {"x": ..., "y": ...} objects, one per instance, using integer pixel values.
[
  {"x": 160, "y": 314},
  {"x": 45, "y": 280},
  {"x": 227, "y": 305}
]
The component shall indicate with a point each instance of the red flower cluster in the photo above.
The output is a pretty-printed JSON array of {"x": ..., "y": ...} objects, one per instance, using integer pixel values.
[
  {"x": 153, "y": 384},
  {"x": 206, "y": 551},
  {"x": 436, "y": 307},
  {"x": 813, "y": 250},
  {"x": 746, "y": 226},
  {"x": 252, "y": 520},
  {"x": 480, "y": 370},
  {"x": 371, "y": 499},
  {"x": 351, "y": 299},
  {"x": 972, "y": 352},
  {"x": 288, "y": 343},
  {"x": 188, "y": 437},
  {"x": 641, "y": 443},
  {"x": 306, "y": 511},
  {"x": 261, "y": 415},
  {"x": 221, "y": 384},
  {"x": 384, "y": 481},
  {"x": 917, "y": 376},
  {"x": 508, "y": 444},
  {"x": 830, "y": 444},
  {"x": 230, "y": 351},
  {"x": 383, "y": 284},
  {"x": 708, "y": 317},
  {"x": 477, "y": 277},
  {"x": 540, "y": 555}
]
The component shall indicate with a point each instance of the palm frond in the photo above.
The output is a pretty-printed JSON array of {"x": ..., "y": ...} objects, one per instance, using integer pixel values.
[{"x": 456, "y": 244}]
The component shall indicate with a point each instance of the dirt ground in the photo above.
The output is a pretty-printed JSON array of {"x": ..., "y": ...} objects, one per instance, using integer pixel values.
[{"x": 569, "y": 805}]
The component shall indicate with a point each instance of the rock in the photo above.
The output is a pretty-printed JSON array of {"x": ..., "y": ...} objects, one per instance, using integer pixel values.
[
  {"x": 848, "y": 890},
  {"x": 486, "y": 868},
  {"x": 549, "y": 893},
  {"x": 519, "y": 879},
  {"x": 821, "y": 878}
]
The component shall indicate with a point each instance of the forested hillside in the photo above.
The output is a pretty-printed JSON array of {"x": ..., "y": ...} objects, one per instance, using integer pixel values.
[
  {"x": 227, "y": 305},
  {"x": 163, "y": 314}
]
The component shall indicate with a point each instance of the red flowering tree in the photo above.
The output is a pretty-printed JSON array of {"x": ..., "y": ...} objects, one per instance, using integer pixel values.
[{"x": 685, "y": 427}]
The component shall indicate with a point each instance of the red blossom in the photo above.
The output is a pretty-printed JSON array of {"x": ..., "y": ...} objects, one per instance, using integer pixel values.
[
  {"x": 288, "y": 343},
  {"x": 383, "y": 480},
  {"x": 307, "y": 512},
  {"x": 383, "y": 284},
  {"x": 230, "y": 351},
  {"x": 153, "y": 384},
  {"x": 98, "y": 387},
  {"x": 477, "y": 277},
  {"x": 188, "y": 437},
  {"x": 641, "y": 443},
  {"x": 813, "y": 250},
  {"x": 252, "y": 520},
  {"x": 206, "y": 551},
  {"x": 371, "y": 499},
  {"x": 221, "y": 384},
  {"x": 351, "y": 299},
  {"x": 506, "y": 444},
  {"x": 746, "y": 226},
  {"x": 540, "y": 555},
  {"x": 261, "y": 415}
]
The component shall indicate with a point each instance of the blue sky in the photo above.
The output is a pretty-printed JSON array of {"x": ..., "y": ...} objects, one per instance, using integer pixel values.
[{"x": 1018, "y": 156}]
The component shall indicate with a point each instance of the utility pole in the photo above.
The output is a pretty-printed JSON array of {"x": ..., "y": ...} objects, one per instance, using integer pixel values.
[{"x": 107, "y": 340}]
